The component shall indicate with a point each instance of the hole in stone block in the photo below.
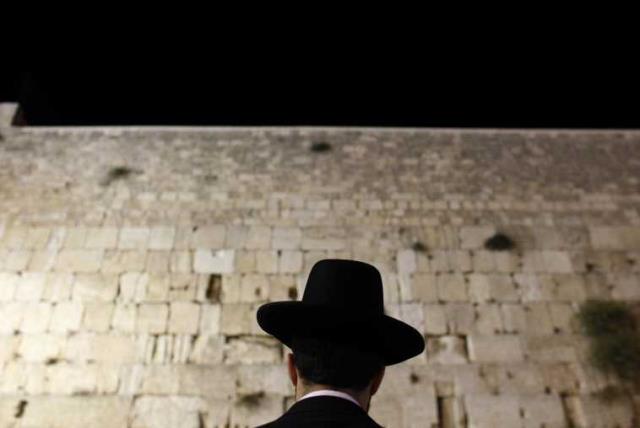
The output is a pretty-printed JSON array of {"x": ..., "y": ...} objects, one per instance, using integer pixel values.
[
  {"x": 418, "y": 247},
  {"x": 320, "y": 146},
  {"x": 214, "y": 288},
  {"x": 293, "y": 293},
  {"x": 251, "y": 400},
  {"x": 119, "y": 173},
  {"x": 20, "y": 408},
  {"x": 414, "y": 378}
]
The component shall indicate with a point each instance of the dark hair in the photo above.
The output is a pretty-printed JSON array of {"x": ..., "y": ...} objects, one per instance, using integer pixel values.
[{"x": 338, "y": 364}]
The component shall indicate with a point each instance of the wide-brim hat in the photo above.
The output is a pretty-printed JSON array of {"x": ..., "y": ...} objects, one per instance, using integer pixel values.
[{"x": 343, "y": 300}]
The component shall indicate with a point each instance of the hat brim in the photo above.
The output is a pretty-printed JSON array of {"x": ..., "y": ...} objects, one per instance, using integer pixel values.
[{"x": 394, "y": 340}]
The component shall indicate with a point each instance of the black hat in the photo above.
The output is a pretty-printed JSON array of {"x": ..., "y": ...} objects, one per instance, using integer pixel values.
[{"x": 343, "y": 299}]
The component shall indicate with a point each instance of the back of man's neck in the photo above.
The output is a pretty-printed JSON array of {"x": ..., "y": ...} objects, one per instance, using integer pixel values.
[{"x": 360, "y": 397}]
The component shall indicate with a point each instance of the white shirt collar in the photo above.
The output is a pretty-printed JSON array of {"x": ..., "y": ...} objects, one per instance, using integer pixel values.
[{"x": 331, "y": 393}]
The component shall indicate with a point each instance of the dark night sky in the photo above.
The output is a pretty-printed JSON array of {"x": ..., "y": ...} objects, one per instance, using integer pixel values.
[{"x": 227, "y": 98}]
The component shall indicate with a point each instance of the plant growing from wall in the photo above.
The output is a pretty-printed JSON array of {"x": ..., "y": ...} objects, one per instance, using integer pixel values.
[{"x": 615, "y": 342}]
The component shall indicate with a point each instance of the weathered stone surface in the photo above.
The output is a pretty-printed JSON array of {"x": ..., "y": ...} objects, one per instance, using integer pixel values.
[{"x": 146, "y": 290}]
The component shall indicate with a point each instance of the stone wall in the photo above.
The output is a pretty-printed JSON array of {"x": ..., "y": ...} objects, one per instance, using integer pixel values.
[{"x": 132, "y": 262}]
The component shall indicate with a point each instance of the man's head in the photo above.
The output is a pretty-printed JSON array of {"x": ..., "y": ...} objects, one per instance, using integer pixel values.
[{"x": 321, "y": 363}]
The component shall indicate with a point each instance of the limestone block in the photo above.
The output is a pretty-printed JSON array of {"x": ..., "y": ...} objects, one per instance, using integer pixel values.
[
  {"x": 494, "y": 349},
  {"x": 485, "y": 410},
  {"x": 17, "y": 260},
  {"x": 95, "y": 287},
  {"x": 66, "y": 317},
  {"x": 101, "y": 238},
  {"x": 563, "y": 318},
  {"x": 158, "y": 262},
  {"x": 210, "y": 319},
  {"x": 562, "y": 378},
  {"x": 268, "y": 378},
  {"x": 75, "y": 237},
  {"x": 569, "y": 287},
  {"x": 598, "y": 413},
  {"x": 237, "y": 318},
  {"x": 556, "y": 261},
  {"x": 14, "y": 237},
  {"x": 8, "y": 345},
  {"x": 473, "y": 237},
  {"x": 11, "y": 314},
  {"x": 38, "y": 348},
  {"x": 157, "y": 288},
  {"x": 538, "y": 319},
  {"x": 152, "y": 318},
  {"x": 406, "y": 261},
  {"x": 253, "y": 288},
  {"x": 513, "y": 318},
  {"x": 112, "y": 349},
  {"x": 37, "y": 238},
  {"x": 252, "y": 350},
  {"x": 207, "y": 261},
  {"x": 167, "y": 412},
  {"x": 42, "y": 260},
  {"x": 119, "y": 261},
  {"x": 424, "y": 287},
  {"x": 133, "y": 238},
  {"x": 267, "y": 261},
  {"x": 36, "y": 317},
  {"x": 86, "y": 261},
  {"x": 515, "y": 378},
  {"x": 8, "y": 283},
  {"x": 283, "y": 287},
  {"x": 180, "y": 262},
  {"x": 483, "y": 261},
  {"x": 615, "y": 237},
  {"x": 67, "y": 379},
  {"x": 479, "y": 287},
  {"x": 57, "y": 286},
  {"x": 133, "y": 286},
  {"x": 435, "y": 321},
  {"x": 447, "y": 350},
  {"x": 556, "y": 348},
  {"x": 211, "y": 237},
  {"x": 488, "y": 319},
  {"x": 97, "y": 316},
  {"x": 257, "y": 409},
  {"x": 503, "y": 288},
  {"x": 161, "y": 238},
  {"x": 625, "y": 286},
  {"x": 542, "y": 410},
  {"x": 124, "y": 318},
  {"x": 258, "y": 238},
  {"x": 452, "y": 287},
  {"x": 30, "y": 286},
  {"x": 76, "y": 412},
  {"x": 286, "y": 238},
  {"x": 14, "y": 378},
  {"x": 245, "y": 261},
  {"x": 184, "y": 318},
  {"x": 506, "y": 261},
  {"x": 183, "y": 286},
  {"x": 535, "y": 288},
  {"x": 290, "y": 261},
  {"x": 461, "y": 318},
  {"x": 207, "y": 349}
]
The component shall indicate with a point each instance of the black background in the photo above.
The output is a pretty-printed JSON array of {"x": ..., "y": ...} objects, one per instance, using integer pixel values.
[{"x": 259, "y": 97}]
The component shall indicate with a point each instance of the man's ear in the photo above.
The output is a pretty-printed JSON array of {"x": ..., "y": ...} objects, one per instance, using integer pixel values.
[
  {"x": 377, "y": 380},
  {"x": 293, "y": 373}
]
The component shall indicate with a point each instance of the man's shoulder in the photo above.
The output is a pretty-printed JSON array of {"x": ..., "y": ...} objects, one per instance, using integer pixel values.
[{"x": 324, "y": 412}]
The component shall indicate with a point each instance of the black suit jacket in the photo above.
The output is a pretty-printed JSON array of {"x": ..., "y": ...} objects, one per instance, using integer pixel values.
[{"x": 324, "y": 412}]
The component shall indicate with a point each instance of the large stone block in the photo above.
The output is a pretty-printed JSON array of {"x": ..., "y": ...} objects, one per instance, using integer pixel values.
[
  {"x": 473, "y": 237},
  {"x": 58, "y": 286},
  {"x": 484, "y": 410},
  {"x": 85, "y": 261},
  {"x": 152, "y": 318},
  {"x": 252, "y": 350},
  {"x": 76, "y": 412},
  {"x": 95, "y": 287},
  {"x": 161, "y": 238},
  {"x": 133, "y": 238},
  {"x": 452, "y": 287},
  {"x": 168, "y": 412},
  {"x": 66, "y": 317},
  {"x": 184, "y": 317},
  {"x": 495, "y": 349},
  {"x": 286, "y": 238},
  {"x": 211, "y": 237},
  {"x": 30, "y": 286},
  {"x": 36, "y": 317},
  {"x": 101, "y": 238},
  {"x": 97, "y": 316},
  {"x": 447, "y": 350},
  {"x": 8, "y": 283},
  {"x": 207, "y": 261}
]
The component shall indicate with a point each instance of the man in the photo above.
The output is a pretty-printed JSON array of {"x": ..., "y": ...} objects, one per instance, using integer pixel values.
[{"x": 341, "y": 341}]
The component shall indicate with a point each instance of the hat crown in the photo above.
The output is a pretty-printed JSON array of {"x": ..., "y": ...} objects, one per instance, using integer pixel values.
[{"x": 347, "y": 285}]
